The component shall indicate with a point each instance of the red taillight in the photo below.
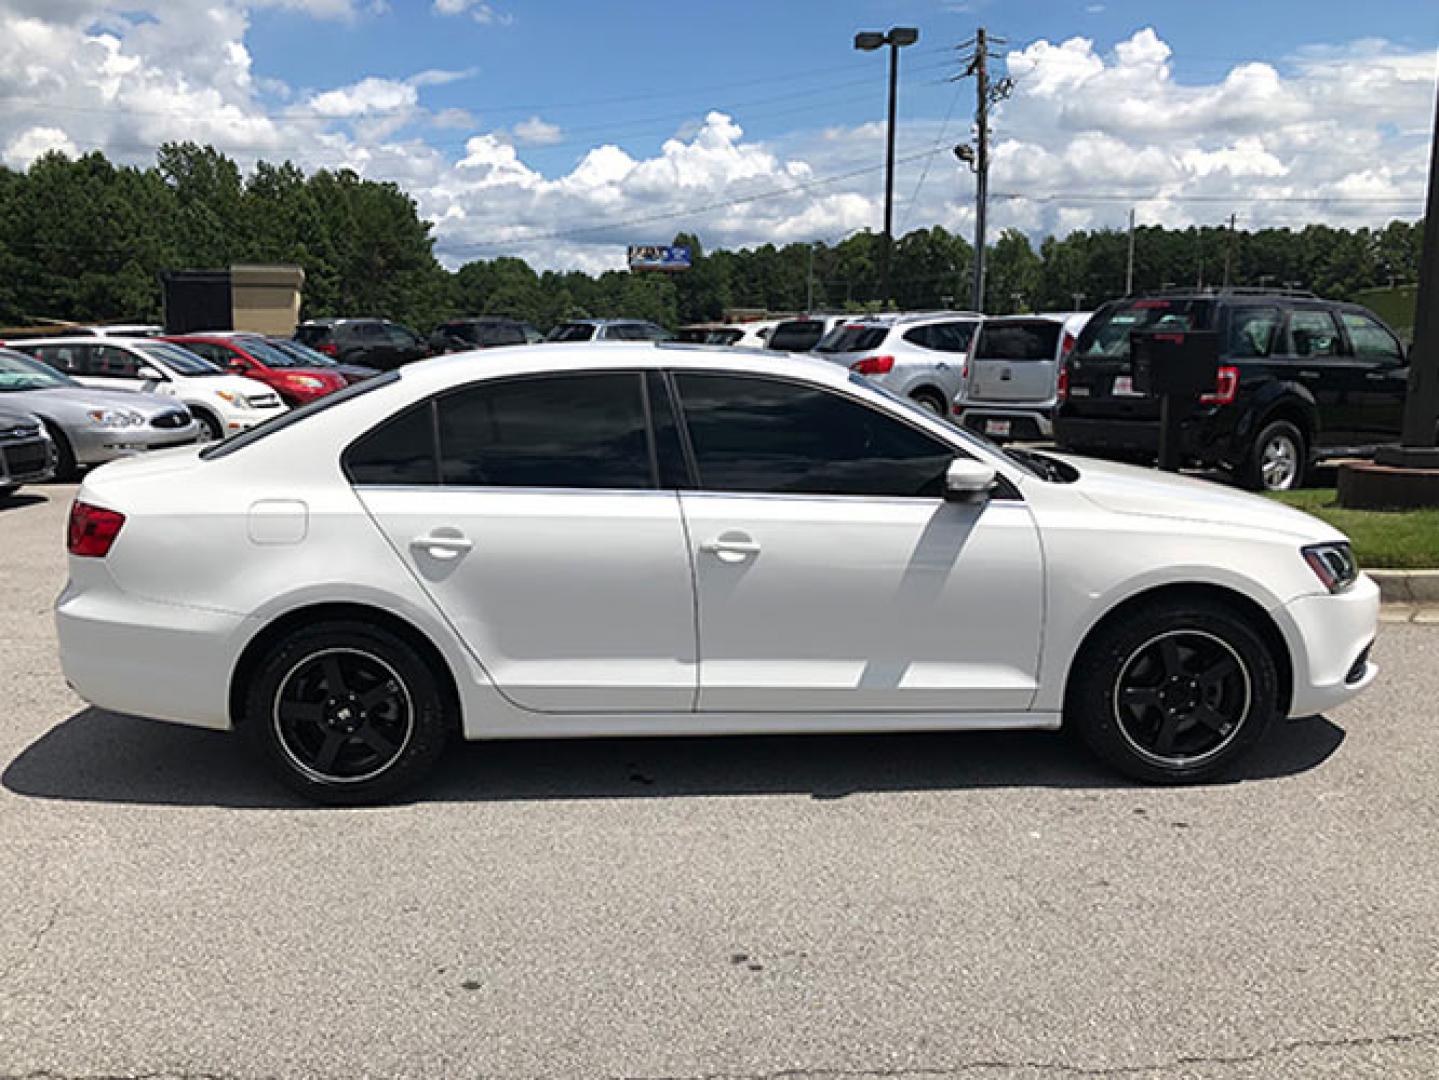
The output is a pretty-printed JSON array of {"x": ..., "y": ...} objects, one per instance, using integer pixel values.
[
  {"x": 1062, "y": 391},
  {"x": 92, "y": 530},
  {"x": 1226, "y": 386},
  {"x": 873, "y": 365},
  {"x": 329, "y": 349},
  {"x": 1067, "y": 344}
]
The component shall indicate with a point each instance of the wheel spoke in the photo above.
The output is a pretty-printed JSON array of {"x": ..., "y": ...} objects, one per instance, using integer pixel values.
[
  {"x": 1169, "y": 656},
  {"x": 386, "y": 692},
  {"x": 1213, "y": 720},
  {"x": 1168, "y": 729},
  {"x": 330, "y": 750},
  {"x": 334, "y": 676},
  {"x": 370, "y": 735},
  {"x": 302, "y": 712},
  {"x": 1140, "y": 697},
  {"x": 1218, "y": 672}
]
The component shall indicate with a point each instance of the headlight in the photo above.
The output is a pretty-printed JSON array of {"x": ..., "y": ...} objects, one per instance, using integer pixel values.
[
  {"x": 115, "y": 418},
  {"x": 1333, "y": 564},
  {"x": 309, "y": 382}
]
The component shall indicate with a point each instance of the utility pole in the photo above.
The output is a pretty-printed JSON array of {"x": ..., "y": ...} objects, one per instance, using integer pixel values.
[
  {"x": 809, "y": 280},
  {"x": 986, "y": 95},
  {"x": 1229, "y": 249},
  {"x": 1129, "y": 266}
]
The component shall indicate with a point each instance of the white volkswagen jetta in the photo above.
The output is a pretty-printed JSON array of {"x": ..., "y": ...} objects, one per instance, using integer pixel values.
[{"x": 633, "y": 539}]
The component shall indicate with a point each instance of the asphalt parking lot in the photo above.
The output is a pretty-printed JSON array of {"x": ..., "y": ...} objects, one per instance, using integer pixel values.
[{"x": 909, "y": 906}]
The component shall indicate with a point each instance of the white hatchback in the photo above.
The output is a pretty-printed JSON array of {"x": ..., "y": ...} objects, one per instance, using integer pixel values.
[
  {"x": 222, "y": 402},
  {"x": 636, "y": 539}
]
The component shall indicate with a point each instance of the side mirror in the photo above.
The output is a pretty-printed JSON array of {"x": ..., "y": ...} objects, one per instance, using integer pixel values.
[
  {"x": 149, "y": 374},
  {"x": 968, "y": 480}
]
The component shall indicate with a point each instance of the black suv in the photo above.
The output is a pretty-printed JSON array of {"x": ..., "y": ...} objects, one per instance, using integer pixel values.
[
  {"x": 1300, "y": 379},
  {"x": 484, "y": 332},
  {"x": 375, "y": 343}
]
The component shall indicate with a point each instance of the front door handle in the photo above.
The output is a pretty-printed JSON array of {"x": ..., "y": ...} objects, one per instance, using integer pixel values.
[
  {"x": 443, "y": 544},
  {"x": 731, "y": 547},
  {"x": 1376, "y": 376},
  {"x": 1309, "y": 374}
]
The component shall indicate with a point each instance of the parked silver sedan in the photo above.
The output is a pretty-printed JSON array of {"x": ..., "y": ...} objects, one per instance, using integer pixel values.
[{"x": 90, "y": 427}]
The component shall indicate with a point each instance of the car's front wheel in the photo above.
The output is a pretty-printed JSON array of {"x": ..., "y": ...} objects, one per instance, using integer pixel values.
[
  {"x": 1174, "y": 693},
  {"x": 347, "y": 713}
]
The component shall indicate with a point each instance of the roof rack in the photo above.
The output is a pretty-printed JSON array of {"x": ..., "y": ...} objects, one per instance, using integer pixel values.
[{"x": 1228, "y": 290}]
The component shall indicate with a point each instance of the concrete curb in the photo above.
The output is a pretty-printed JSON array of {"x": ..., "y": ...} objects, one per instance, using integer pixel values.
[{"x": 1413, "y": 587}]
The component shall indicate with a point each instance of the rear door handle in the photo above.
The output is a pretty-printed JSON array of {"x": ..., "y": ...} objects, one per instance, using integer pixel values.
[
  {"x": 1377, "y": 376},
  {"x": 443, "y": 544},
  {"x": 731, "y": 547},
  {"x": 1309, "y": 374}
]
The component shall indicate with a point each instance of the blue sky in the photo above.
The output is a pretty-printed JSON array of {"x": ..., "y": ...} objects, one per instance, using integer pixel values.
[{"x": 563, "y": 131}]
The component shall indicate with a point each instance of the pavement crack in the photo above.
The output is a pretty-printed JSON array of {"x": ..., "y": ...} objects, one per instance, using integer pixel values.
[
  {"x": 18, "y": 962},
  {"x": 1059, "y": 1068}
]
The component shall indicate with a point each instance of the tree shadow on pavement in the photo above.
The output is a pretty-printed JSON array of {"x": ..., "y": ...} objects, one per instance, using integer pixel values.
[{"x": 96, "y": 756}]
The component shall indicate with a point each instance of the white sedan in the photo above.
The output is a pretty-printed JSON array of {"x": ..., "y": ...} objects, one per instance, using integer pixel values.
[{"x": 632, "y": 539}]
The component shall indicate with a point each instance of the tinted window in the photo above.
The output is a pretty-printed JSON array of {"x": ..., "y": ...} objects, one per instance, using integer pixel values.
[
  {"x": 565, "y": 431},
  {"x": 311, "y": 335},
  {"x": 400, "y": 337},
  {"x": 399, "y": 451},
  {"x": 365, "y": 331},
  {"x": 69, "y": 358},
  {"x": 267, "y": 354},
  {"x": 216, "y": 354},
  {"x": 853, "y": 338},
  {"x": 797, "y": 335},
  {"x": 1371, "y": 340},
  {"x": 1106, "y": 336},
  {"x": 107, "y": 361},
  {"x": 497, "y": 334},
  {"x": 1252, "y": 332},
  {"x": 572, "y": 332},
  {"x": 1029, "y": 340},
  {"x": 763, "y": 435},
  {"x": 952, "y": 336},
  {"x": 1313, "y": 333},
  {"x": 179, "y": 359}
]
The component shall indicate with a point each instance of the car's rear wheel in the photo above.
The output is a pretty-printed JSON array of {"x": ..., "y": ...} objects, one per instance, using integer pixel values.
[
  {"x": 1174, "y": 693},
  {"x": 929, "y": 401},
  {"x": 347, "y": 713},
  {"x": 1278, "y": 458},
  {"x": 66, "y": 467}
]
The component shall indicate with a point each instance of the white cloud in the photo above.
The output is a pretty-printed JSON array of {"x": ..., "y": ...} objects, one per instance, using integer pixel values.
[
  {"x": 1349, "y": 123},
  {"x": 479, "y": 10},
  {"x": 537, "y": 132}
]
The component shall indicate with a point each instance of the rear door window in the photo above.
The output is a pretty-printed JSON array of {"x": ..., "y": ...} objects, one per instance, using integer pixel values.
[
  {"x": 572, "y": 332},
  {"x": 1253, "y": 332},
  {"x": 1313, "y": 333},
  {"x": 853, "y": 337},
  {"x": 952, "y": 337},
  {"x": 1032, "y": 339}
]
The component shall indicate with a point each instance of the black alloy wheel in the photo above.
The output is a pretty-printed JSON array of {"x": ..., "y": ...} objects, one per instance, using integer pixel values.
[
  {"x": 348, "y": 713},
  {"x": 1174, "y": 691}
]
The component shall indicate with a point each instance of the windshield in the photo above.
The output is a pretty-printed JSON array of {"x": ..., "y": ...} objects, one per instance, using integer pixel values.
[
  {"x": 853, "y": 337},
  {"x": 267, "y": 354},
  {"x": 177, "y": 358},
  {"x": 572, "y": 332},
  {"x": 1106, "y": 336},
  {"x": 306, "y": 355},
  {"x": 21, "y": 373},
  {"x": 1031, "y": 339}
]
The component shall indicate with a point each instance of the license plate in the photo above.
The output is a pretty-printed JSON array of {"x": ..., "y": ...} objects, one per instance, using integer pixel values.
[
  {"x": 996, "y": 427},
  {"x": 1079, "y": 391},
  {"x": 1124, "y": 387}
]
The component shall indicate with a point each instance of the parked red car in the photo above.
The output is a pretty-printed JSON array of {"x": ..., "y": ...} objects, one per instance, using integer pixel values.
[{"x": 252, "y": 356}]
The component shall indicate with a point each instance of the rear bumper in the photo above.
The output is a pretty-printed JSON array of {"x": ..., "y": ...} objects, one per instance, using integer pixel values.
[
  {"x": 1025, "y": 422},
  {"x": 1200, "y": 439},
  {"x": 143, "y": 658},
  {"x": 1329, "y": 640}
]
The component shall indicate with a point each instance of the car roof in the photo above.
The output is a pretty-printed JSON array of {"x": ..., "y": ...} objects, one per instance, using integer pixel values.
[{"x": 80, "y": 339}]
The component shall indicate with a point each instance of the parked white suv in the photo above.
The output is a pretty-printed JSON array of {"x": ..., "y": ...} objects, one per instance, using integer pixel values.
[
  {"x": 1011, "y": 388},
  {"x": 223, "y": 403},
  {"x": 920, "y": 356}
]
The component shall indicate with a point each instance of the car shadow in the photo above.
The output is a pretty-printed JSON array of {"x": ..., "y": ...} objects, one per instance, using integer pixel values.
[
  {"x": 21, "y": 499},
  {"x": 96, "y": 756}
]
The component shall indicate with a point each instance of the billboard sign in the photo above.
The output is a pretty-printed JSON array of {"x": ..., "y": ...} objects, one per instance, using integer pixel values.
[{"x": 658, "y": 257}]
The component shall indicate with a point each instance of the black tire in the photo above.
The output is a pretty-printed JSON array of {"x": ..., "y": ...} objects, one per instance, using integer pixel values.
[
  {"x": 930, "y": 401},
  {"x": 1278, "y": 458},
  {"x": 214, "y": 432},
  {"x": 1144, "y": 696},
  {"x": 65, "y": 466},
  {"x": 297, "y": 711}
]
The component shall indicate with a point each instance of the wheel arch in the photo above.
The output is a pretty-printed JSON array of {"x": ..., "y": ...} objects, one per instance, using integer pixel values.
[
  {"x": 926, "y": 389},
  {"x": 1177, "y": 592},
  {"x": 332, "y": 611},
  {"x": 1292, "y": 403}
]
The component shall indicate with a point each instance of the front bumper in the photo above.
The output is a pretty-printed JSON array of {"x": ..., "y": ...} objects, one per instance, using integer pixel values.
[
  {"x": 1329, "y": 638},
  {"x": 26, "y": 460},
  {"x": 95, "y": 446}
]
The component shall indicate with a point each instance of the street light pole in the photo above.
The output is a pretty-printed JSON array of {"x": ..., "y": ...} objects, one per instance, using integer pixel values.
[{"x": 867, "y": 41}]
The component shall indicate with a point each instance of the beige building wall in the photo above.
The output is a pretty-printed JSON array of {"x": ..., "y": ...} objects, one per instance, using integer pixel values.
[{"x": 266, "y": 299}]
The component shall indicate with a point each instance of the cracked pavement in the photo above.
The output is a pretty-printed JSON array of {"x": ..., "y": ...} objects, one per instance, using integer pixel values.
[{"x": 823, "y": 908}]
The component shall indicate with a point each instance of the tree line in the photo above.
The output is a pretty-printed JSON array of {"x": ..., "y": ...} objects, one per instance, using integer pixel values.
[{"x": 85, "y": 240}]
